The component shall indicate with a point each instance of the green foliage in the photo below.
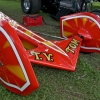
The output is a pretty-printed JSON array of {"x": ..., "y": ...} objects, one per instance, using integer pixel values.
[{"x": 83, "y": 84}]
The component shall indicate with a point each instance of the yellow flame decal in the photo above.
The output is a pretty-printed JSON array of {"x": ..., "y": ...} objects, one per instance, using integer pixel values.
[
  {"x": 53, "y": 46},
  {"x": 28, "y": 33},
  {"x": 67, "y": 33},
  {"x": 84, "y": 21},
  {"x": 66, "y": 24},
  {"x": 48, "y": 43},
  {"x": 93, "y": 24},
  {"x": 28, "y": 45},
  {"x": 7, "y": 44},
  {"x": 76, "y": 21},
  {"x": 16, "y": 70}
]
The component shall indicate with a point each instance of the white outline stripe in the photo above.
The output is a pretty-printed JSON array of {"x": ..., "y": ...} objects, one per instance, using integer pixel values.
[
  {"x": 42, "y": 42},
  {"x": 90, "y": 48},
  {"x": 20, "y": 62},
  {"x": 8, "y": 20}
]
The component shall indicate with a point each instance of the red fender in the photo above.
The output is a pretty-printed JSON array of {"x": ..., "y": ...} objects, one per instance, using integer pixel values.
[
  {"x": 15, "y": 70},
  {"x": 85, "y": 24},
  {"x": 19, "y": 47}
]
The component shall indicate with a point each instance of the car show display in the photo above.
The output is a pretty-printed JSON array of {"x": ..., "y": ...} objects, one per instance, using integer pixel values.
[{"x": 20, "y": 48}]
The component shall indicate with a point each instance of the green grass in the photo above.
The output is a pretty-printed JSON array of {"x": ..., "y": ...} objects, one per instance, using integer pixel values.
[
  {"x": 96, "y": 4},
  {"x": 55, "y": 84}
]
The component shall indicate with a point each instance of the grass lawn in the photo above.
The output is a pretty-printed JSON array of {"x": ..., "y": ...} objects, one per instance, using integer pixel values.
[
  {"x": 55, "y": 84},
  {"x": 96, "y": 4}
]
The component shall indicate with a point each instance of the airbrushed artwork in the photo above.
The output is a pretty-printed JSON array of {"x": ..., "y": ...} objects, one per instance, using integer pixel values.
[{"x": 20, "y": 47}]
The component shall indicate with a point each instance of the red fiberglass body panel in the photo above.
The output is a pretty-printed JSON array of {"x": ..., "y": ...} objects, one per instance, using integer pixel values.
[
  {"x": 85, "y": 24},
  {"x": 15, "y": 68},
  {"x": 19, "y": 47}
]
